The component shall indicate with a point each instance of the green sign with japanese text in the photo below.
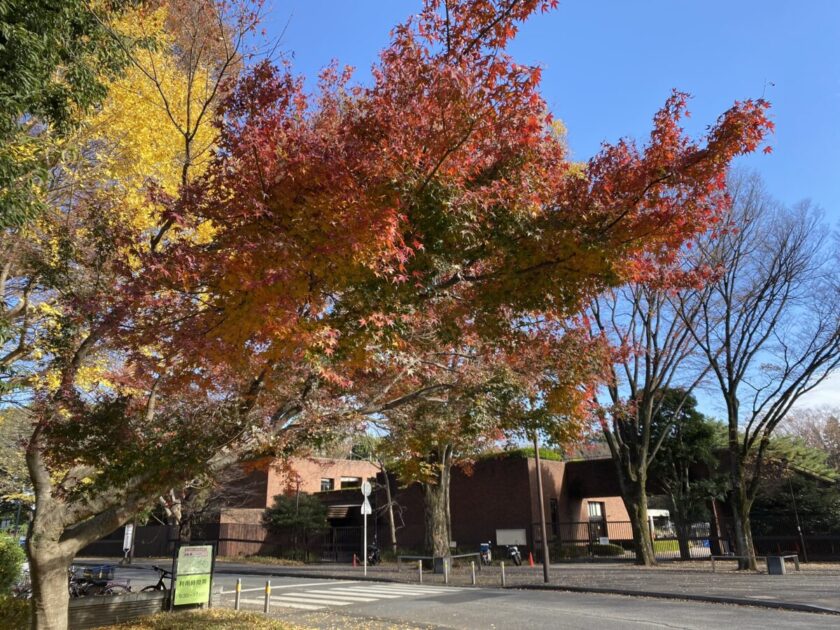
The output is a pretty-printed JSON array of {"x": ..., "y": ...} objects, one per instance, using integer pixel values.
[{"x": 194, "y": 573}]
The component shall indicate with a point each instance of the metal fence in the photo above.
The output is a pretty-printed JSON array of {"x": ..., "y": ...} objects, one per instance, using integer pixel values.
[
  {"x": 599, "y": 538},
  {"x": 340, "y": 543}
]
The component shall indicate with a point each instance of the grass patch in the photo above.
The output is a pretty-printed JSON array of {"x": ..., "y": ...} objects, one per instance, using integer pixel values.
[
  {"x": 14, "y": 613},
  {"x": 280, "y": 562},
  {"x": 215, "y": 619},
  {"x": 666, "y": 545}
]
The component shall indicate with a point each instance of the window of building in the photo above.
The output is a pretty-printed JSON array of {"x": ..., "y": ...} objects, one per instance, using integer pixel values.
[
  {"x": 351, "y": 482},
  {"x": 596, "y": 511},
  {"x": 327, "y": 484}
]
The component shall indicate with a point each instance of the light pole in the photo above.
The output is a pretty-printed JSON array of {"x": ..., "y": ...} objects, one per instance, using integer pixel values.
[
  {"x": 543, "y": 528},
  {"x": 795, "y": 512}
]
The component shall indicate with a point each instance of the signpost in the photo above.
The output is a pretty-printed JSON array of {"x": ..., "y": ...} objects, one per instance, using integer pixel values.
[
  {"x": 194, "y": 575},
  {"x": 128, "y": 543},
  {"x": 366, "y": 509}
]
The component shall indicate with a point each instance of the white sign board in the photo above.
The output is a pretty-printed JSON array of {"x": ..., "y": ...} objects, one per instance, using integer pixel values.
[
  {"x": 366, "y": 507},
  {"x": 603, "y": 540},
  {"x": 128, "y": 537},
  {"x": 366, "y": 488},
  {"x": 511, "y": 537}
]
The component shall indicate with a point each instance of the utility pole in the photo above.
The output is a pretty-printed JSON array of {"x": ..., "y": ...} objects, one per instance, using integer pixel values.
[
  {"x": 543, "y": 529},
  {"x": 796, "y": 516}
]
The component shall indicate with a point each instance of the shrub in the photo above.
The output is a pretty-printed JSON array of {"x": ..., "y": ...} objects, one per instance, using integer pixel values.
[
  {"x": 14, "y": 612},
  {"x": 566, "y": 552},
  {"x": 11, "y": 559},
  {"x": 608, "y": 550}
]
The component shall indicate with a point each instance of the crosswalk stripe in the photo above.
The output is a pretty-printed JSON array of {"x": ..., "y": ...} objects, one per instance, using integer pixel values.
[
  {"x": 390, "y": 591},
  {"x": 365, "y": 592},
  {"x": 306, "y": 599},
  {"x": 409, "y": 589},
  {"x": 289, "y": 605},
  {"x": 350, "y": 597}
]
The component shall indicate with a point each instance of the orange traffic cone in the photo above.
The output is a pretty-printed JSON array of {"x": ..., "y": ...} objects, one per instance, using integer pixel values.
[{"x": 530, "y": 558}]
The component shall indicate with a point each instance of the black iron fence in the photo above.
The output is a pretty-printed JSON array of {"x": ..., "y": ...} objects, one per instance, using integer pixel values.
[
  {"x": 340, "y": 543},
  {"x": 614, "y": 539}
]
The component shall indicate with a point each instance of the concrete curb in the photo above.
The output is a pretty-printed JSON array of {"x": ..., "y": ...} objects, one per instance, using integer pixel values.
[{"x": 714, "y": 599}]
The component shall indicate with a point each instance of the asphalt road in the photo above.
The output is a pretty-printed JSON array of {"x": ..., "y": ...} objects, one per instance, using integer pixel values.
[{"x": 348, "y": 604}]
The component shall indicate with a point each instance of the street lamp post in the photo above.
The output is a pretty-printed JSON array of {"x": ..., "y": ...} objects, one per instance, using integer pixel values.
[
  {"x": 543, "y": 528},
  {"x": 796, "y": 512}
]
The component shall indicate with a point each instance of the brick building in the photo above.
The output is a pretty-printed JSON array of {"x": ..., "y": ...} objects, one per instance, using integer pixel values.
[
  {"x": 582, "y": 501},
  {"x": 299, "y": 474},
  {"x": 500, "y": 493}
]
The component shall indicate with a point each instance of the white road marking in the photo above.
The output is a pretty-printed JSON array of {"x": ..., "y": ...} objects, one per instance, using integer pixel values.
[
  {"x": 392, "y": 592},
  {"x": 365, "y": 593},
  {"x": 358, "y": 593},
  {"x": 353, "y": 597},
  {"x": 274, "y": 588},
  {"x": 306, "y": 599},
  {"x": 289, "y": 605},
  {"x": 409, "y": 589}
]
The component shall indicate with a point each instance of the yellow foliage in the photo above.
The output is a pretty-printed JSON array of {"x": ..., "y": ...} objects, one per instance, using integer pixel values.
[{"x": 141, "y": 131}]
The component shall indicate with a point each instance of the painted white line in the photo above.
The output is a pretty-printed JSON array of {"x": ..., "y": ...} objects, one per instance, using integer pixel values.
[
  {"x": 295, "y": 599},
  {"x": 366, "y": 593},
  {"x": 287, "y": 605},
  {"x": 274, "y": 588},
  {"x": 407, "y": 588},
  {"x": 394, "y": 591},
  {"x": 348, "y": 596},
  {"x": 412, "y": 591}
]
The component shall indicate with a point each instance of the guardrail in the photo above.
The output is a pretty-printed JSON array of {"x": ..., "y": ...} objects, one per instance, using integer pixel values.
[{"x": 401, "y": 558}]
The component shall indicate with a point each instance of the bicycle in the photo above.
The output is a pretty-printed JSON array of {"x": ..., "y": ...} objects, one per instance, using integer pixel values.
[
  {"x": 22, "y": 589},
  {"x": 160, "y": 586},
  {"x": 87, "y": 585}
]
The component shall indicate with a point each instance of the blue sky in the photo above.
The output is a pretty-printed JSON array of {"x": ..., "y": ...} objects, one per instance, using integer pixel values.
[{"x": 610, "y": 64}]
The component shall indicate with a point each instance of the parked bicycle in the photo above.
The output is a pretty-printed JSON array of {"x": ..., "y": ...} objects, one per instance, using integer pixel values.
[
  {"x": 22, "y": 589},
  {"x": 96, "y": 581},
  {"x": 163, "y": 574}
]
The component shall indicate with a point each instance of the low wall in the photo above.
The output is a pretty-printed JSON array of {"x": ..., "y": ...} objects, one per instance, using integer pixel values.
[{"x": 107, "y": 610}]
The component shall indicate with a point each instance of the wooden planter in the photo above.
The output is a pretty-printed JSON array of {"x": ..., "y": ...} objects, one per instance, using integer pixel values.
[{"x": 106, "y": 610}]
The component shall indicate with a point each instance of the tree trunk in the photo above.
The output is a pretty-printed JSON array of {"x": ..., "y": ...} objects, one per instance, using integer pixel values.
[
  {"x": 48, "y": 565},
  {"x": 392, "y": 528},
  {"x": 739, "y": 499},
  {"x": 741, "y": 506},
  {"x": 436, "y": 505},
  {"x": 681, "y": 523},
  {"x": 682, "y": 539},
  {"x": 637, "y": 508}
]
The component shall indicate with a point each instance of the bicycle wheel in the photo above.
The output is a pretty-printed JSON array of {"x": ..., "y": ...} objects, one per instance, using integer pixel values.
[
  {"x": 115, "y": 589},
  {"x": 151, "y": 587},
  {"x": 23, "y": 592}
]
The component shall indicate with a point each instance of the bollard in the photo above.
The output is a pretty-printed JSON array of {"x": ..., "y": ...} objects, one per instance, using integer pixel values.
[
  {"x": 420, "y": 570},
  {"x": 445, "y": 571},
  {"x": 472, "y": 569},
  {"x": 238, "y": 593},
  {"x": 267, "y": 605},
  {"x": 503, "y": 574}
]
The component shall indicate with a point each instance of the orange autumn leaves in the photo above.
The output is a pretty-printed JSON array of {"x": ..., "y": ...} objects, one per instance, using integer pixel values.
[{"x": 346, "y": 221}]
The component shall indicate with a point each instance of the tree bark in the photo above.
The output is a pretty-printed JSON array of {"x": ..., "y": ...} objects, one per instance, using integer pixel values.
[
  {"x": 637, "y": 508},
  {"x": 683, "y": 527},
  {"x": 741, "y": 506},
  {"x": 392, "y": 528},
  {"x": 436, "y": 507},
  {"x": 50, "y": 597}
]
